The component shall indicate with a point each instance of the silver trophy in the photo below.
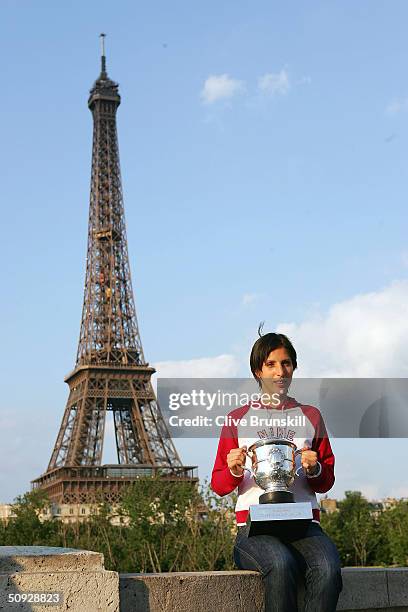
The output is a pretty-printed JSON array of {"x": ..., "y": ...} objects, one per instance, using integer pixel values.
[{"x": 274, "y": 470}]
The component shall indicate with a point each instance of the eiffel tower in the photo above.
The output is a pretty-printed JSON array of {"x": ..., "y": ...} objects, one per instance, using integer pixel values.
[{"x": 111, "y": 372}]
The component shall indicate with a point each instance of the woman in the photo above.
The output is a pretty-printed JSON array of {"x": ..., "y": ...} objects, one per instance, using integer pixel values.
[{"x": 282, "y": 560}]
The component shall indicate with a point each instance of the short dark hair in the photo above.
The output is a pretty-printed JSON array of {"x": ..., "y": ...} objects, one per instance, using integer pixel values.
[{"x": 265, "y": 345}]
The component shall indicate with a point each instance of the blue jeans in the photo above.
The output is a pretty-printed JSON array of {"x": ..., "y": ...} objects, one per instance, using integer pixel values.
[{"x": 284, "y": 563}]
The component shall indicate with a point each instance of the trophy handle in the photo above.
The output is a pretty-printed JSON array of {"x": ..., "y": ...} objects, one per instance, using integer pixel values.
[
  {"x": 298, "y": 451},
  {"x": 298, "y": 471},
  {"x": 249, "y": 454}
]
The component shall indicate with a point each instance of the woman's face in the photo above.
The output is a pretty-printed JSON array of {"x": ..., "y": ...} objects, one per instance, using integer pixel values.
[{"x": 277, "y": 371}]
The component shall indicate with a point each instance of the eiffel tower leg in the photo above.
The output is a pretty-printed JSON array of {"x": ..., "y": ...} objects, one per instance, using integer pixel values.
[
  {"x": 154, "y": 425},
  {"x": 64, "y": 436},
  {"x": 132, "y": 444},
  {"x": 89, "y": 433}
]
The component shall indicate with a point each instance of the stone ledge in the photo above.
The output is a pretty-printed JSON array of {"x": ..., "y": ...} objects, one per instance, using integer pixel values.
[
  {"x": 87, "y": 587},
  {"x": 190, "y": 591},
  {"x": 398, "y": 586},
  {"x": 79, "y": 575},
  {"x": 36, "y": 558},
  {"x": 365, "y": 590}
]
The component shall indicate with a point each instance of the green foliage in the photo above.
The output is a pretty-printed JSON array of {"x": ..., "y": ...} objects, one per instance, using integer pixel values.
[
  {"x": 26, "y": 526},
  {"x": 359, "y": 531},
  {"x": 173, "y": 527},
  {"x": 393, "y": 525},
  {"x": 163, "y": 526},
  {"x": 160, "y": 526}
]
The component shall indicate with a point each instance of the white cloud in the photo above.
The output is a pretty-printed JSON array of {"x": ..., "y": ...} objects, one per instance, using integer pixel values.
[
  {"x": 398, "y": 105},
  {"x": 249, "y": 298},
  {"x": 274, "y": 83},
  {"x": 222, "y": 366},
  {"x": 365, "y": 336},
  {"x": 221, "y": 87}
]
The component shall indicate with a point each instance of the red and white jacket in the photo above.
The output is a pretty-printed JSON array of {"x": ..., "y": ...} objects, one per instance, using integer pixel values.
[{"x": 312, "y": 433}]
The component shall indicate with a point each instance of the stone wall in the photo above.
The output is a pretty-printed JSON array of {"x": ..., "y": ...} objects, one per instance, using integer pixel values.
[
  {"x": 365, "y": 589},
  {"x": 78, "y": 577},
  {"x": 85, "y": 586}
]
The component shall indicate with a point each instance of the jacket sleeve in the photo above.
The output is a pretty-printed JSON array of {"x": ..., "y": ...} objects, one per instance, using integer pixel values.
[
  {"x": 321, "y": 445},
  {"x": 222, "y": 481}
]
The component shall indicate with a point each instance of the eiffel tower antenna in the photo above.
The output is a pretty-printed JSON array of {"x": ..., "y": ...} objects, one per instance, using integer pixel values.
[
  {"x": 111, "y": 373},
  {"x": 103, "y": 56}
]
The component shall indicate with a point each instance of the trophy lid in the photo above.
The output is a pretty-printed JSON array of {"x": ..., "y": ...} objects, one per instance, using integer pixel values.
[{"x": 275, "y": 441}]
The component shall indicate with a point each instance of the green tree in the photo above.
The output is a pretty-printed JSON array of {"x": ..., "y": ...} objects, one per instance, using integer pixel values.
[
  {"x": 173, "y": 526},
  {"x": 25, "y": 527},
  {"x": 354, "y": 530},
  {"x": 159, "y": 526},
  {"x": 393, "y": 526}
]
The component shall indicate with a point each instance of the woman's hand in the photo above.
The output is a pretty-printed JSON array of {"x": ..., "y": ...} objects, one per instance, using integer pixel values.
[
  {"x": 309, "y": 461},
  {"x": 236, "y": 460}
]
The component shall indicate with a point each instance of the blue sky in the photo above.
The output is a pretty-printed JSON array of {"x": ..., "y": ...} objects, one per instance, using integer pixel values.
[{"x": 264, "y": 159}]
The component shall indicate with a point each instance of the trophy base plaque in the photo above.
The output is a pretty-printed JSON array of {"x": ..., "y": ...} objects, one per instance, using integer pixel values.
[{"x": 284, "y": 520}]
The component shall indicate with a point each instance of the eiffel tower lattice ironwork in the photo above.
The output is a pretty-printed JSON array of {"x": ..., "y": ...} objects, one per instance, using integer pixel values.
[{"x": 111, "y": 373}]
